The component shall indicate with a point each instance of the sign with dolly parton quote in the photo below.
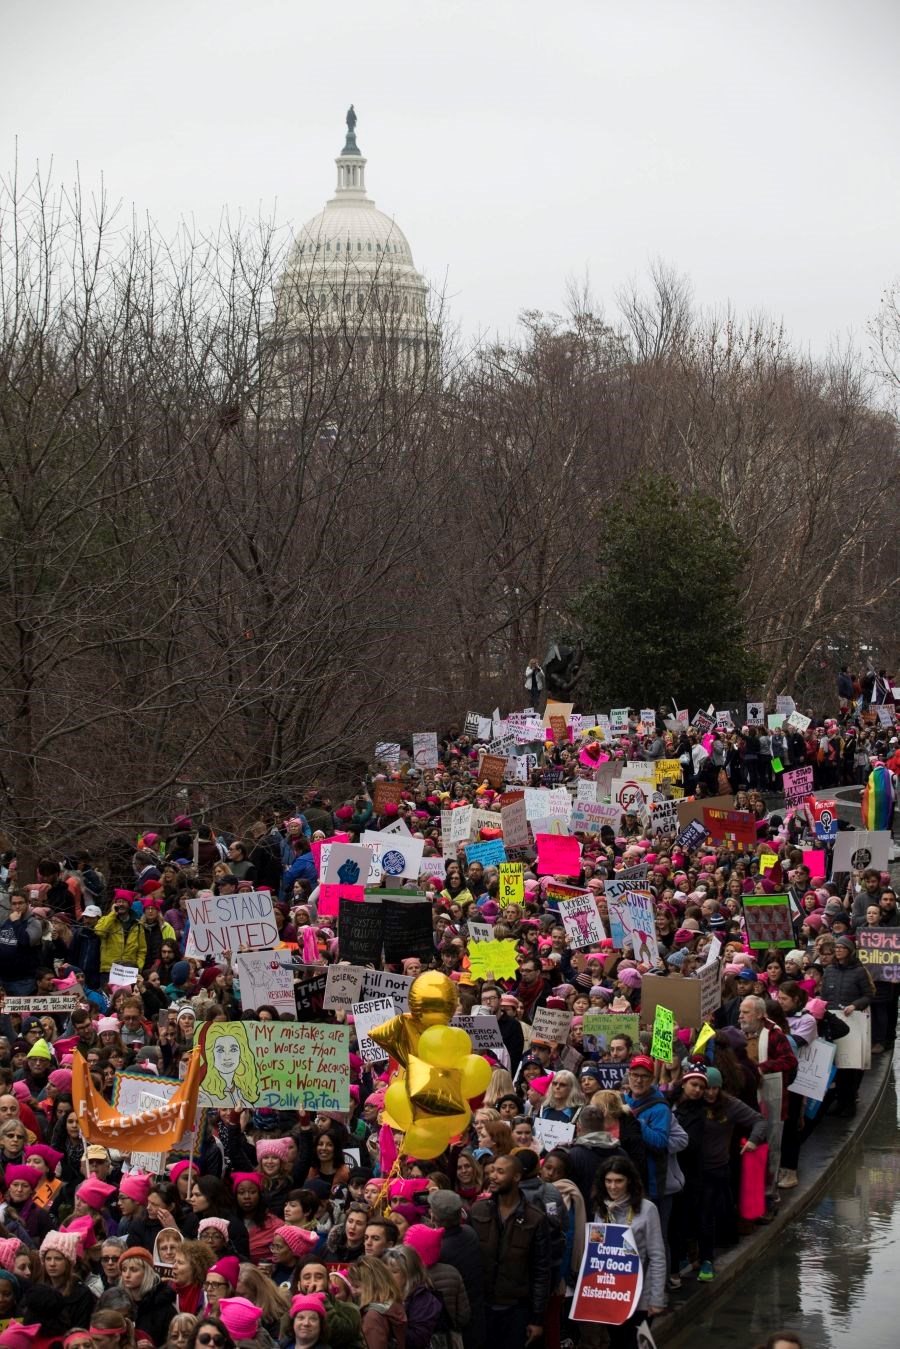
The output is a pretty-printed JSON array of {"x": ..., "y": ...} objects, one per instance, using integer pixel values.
[{"x": 276, "y": 1065}]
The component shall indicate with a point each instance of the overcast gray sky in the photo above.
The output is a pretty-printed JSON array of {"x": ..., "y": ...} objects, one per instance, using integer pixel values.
[{"x": 752, "y": 146}]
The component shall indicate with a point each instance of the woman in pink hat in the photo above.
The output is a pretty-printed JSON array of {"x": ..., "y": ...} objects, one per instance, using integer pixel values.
[
  {"x": 61, "y": 1269},
  {"x": 273, "y": 1156}
]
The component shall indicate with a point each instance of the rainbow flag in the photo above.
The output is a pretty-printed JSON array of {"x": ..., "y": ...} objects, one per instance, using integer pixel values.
[{"x": 877, "y": 799}]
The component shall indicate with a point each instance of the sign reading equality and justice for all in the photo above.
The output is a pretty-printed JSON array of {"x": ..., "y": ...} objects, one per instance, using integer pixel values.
[{"x": 279, "y": 1065}]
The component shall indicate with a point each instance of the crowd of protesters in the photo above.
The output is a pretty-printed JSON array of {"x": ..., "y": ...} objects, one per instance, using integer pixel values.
[{"x": 279, "y": 1228}]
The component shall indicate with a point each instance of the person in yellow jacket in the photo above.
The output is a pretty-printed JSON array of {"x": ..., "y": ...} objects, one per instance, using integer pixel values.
[{"x": 123, "y": 939}]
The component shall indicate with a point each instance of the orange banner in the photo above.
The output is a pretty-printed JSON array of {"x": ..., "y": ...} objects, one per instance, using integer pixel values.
[{"x": 154, "y": 1130}]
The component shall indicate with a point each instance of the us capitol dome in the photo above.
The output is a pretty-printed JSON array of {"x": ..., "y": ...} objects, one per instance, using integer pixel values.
[{"x": 351, "y": 266}]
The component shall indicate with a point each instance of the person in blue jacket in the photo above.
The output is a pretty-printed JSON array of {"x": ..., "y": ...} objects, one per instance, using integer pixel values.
[
  {"x": 303, "y": 868},
  {"x": 648, "y": 1106}
]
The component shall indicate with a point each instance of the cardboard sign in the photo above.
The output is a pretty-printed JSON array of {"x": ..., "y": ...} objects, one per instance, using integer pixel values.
[
  {"x": 512, "y": 884},
  {"x": 797, "y": 784},
  {"x": 858, "y": 849},
  {"x": 456, "y": 826},
  {"x": 276, "y": 1065},
  {"x": 367, "y": 1015},
  {"x": 693, "y": 810},
  {"x": 663, "y": 818},
  {"x": 228, "y": 922},
  {"x": 767, "y": 922},
  {"x": 123, "y": 976},
  {"x": 737, "y": 828},
  {"x": 386, "y": 793},
  {"x": 553, "y": 1133},
  {"x": 617, "y": 892},
  {"x": 551, "y": 1024},
  {"x": 663, "y": 1034},
  {"x": 425, "y": 749},
  {"x": 879, "y": 951},
  {"x": 709, "y": 977},
  {"x": 599, "y": 1028},
  {"x": 493, "y": 770},
  {"x": 558, "y": 855},
  {"x": 361, "y": 931},
  {"x": 267, "y": 980},
  {"x": 680, "y": 996},
  {"x": 514, "y": 821},
  {"x": 814, "y": 1064},
  {"x": 611, "y": 1276},
  {"x": 408, "y": 928},
  {"x": 582, "y": 921},
  {"x": 61, "y": 1003}
]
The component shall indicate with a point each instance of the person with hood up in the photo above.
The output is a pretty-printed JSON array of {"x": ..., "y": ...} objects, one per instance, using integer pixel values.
[{"x": 593, "y": 1145}]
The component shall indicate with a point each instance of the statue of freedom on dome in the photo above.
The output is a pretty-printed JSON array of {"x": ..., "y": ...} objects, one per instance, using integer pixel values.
[{"x": 351, "y": 119}]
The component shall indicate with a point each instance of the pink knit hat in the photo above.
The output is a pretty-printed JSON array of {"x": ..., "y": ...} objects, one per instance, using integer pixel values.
[
  {"x": 17, "y": 1336},
  {"x": 20, "y": 1091},
  {"x": 229, "y": 1267},
  {"x": 297, "y": 1239},
  {"x": 541, "y": 1085},
  {"x": 251, "y": 1177},
  {"x": 220, "y": 1224},
  {"x": 309, "y": 1302},
  {"x": 95, "y": 1193},
  {"x": 61, "y": 1079},
  {"x": 136, "y": 1186},
  {"x": 84, "y": 1230},
  {"x": 9, "y": 1249},
  {"x": 176, "y": 1170},
  {"x": 29, "y": 1174},
  {"x": 426, "y": 1242},
  {"x": 65, "y": 1242},
  {"x": 108, "y": 1023},
  {"x": 272, "y": 1147},
  {"x": 240, "y": 1317}
]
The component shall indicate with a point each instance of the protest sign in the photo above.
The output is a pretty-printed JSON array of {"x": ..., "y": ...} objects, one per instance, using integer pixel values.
[
  {"x": 552, "y": 1024},
  {"x": 879, "y": 951},
  {"x": 693, "y": 810},
  {"x": 228, "y": 922},
  {"x": 611, "y": 1276},
  {"x": 663, "y": 818},
  {"x": 425, "y": 749},
  {"x": 123, "y": 976},
  {"x": 663, "y": 1034},
  {"x": 767, "y": 921},
  {"x": 756, "y": 714},
  {"x": 648, "y": 719},
  {"x": 632, "y": 791},
  {"x": 386, "y": 794},
  {"x": 149, "y": 1163},
  {"x": 709, "y": 977},
  {"x": 343, "y": 986},
  {"x": 348, "y": 864},
  {"x": 266, "y": 980},
  {"x": 797, "y": 785},
  {"x": 557, "y": 709},
  {"x": 784, "y": 704},
  {"x": 492, "y": 769},
  {"x": 387, "y": 752},
  {"x": 618, "y": 720},
  {"x": 611, "y": 1075},
  {"x": 275, "y": 1065},
  {"x": 702, "y": 721},
  {"x": 386, "y": 984},
  {"x": 582, "y": 921},
  {"x": 558, "y": 890},
  {"x": 484, "y": 1032},
  {"x": 599, "y": 1028},
  {"x": 361, "y": 931},
  {"x": 641, "y": 926},
  {"x": 814, "y": 861},
  {"x": 479, "y": 931},
  {"x": 512, "y": 884},
  {"x": 493, "y": 958},
  {"x": 712, "y": 951},
  {"x": 553, "y": 1133},
  {"x": 692, "y": 835},
  {"x": 617, "y": 891},
  {"x": 367, "y": 1015},
  {"x": 471, "y": 724},
  {"x": 309, "y": 992},
  {"x": 514, "y": 821},
  {"x": 854, "y": 1050},
  {"x": 395, "y": 857},
  {"x": 484, "y": 819},
  {"x": 799, "y": 722},
  {"x": 408, "y": 929},
  {"x": 558, "y": 855},
  {"x": 61, "y": 1003},
  {"x": 456, "y": 826},
  {"x": 667, "y": 770},
  {"x": 128, "y": 1089},
  {"x": 736, "y": 828},
  {"x": 680, "y": 996},
  {"x": 490, "y": 853},
  {"x": 434, "y": 868},
  {"x": 585, "y": 794},
  {"x": 589, "y": 817},
  {"x": 825, "y": 819},
  {"x": 767, "y": 860},
  {"x": 885, "y": 714},
  {"x": 397, "y": 826},
  {"x": 857, "y": 849},
  {"x": 814, "y": 1064}
]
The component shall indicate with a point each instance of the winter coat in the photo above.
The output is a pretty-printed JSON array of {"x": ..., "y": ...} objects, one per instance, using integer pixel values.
[
  {"x": 154, "y": 1312},
  {"x": 651, "y": 1247},
  {"x": 343, "y": 1324},
  {"x": 515, "y": 1255},
  {"x": 303, "y": 868},
  {"x": 655, "y": 1118},
  {"x": 121, "y": 943},
  {"x": 20, "y": 948},
  {"x": 448, "y": 1283},
  {"x": 380, "y": 1322},
  {"x": 585, "y": 1156},
  {"x": 846, "y": 985},
  {"x": 719, "y": 1123},
  {"x": 460, "y": 1248},
  {"x": 423, "y": 1311}
]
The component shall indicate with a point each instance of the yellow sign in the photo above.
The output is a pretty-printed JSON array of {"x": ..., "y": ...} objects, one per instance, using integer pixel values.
[
  {"x": 512, "y": 884},
  {"x": 667, "y": 770},
  {"x": 767, "y": 861},
  {"x": 706, "y": 1034},
  {"x": 496, "y": 958}
]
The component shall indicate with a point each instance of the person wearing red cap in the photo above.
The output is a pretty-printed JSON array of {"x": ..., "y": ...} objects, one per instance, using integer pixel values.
[{"x": 650, "y": 1109}]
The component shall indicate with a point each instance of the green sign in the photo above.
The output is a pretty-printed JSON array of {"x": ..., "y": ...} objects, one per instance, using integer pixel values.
[{"x": 663, "y": 1034}]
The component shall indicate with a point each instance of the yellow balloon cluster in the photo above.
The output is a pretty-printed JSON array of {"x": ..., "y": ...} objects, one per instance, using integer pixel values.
[{"x": 429, "y": 1096}]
